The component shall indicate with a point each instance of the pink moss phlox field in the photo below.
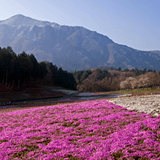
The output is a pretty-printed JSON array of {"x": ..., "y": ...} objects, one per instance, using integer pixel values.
[{"x": 86, "y": 130}]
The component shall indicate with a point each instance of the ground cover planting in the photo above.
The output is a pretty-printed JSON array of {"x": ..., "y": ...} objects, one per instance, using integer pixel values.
[{"x": 94, "y": 129}]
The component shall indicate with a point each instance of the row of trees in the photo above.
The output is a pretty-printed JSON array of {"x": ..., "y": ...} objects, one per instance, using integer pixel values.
[
  {"x": 60, "y": 77},
  {"x": 17, "y": 71},
  {"x": 104, "y": 80},
  {"x": 99, "y": 80},
  {"x": 150, "y": 79},
  {"x": 102, "y": 73},
  {"x": 137, "y": 71},
  {"x": 107, "y": 84},
  {"x": 81, "y": 75}
]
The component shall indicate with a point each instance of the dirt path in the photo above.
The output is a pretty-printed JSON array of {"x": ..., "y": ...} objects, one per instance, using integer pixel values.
[{"x": 149, "y": 104}]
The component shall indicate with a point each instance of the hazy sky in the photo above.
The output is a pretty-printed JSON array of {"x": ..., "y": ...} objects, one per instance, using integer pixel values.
[{"x": 135, "y": 23}]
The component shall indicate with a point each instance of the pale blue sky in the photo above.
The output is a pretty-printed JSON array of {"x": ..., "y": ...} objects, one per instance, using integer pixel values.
[{"x": 135, "y": 23}]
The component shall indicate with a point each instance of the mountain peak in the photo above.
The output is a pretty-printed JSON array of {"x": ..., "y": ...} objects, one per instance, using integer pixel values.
[
  {"x": 73, "y": 48},
  {"x": 18, "y": 15},
  {"x": 21, "y": 20},
  {"x": 16, "y": 20}
]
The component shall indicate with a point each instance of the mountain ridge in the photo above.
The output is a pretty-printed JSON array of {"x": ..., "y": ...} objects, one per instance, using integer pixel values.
[
  {"x": 20, "y": 19},
  {"x": 71, "y": 47}
]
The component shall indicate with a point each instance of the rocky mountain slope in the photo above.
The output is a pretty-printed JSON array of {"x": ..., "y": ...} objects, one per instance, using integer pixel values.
[{"x": 72, "y": 48}]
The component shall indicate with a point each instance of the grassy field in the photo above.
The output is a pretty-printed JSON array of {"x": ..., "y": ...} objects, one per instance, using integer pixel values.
[{"x": 138, "y": 90}]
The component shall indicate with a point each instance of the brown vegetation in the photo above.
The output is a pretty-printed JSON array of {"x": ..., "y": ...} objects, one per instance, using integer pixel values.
[
  {"x": 93, "y": 84},
  {"x": 149, "y": 79},
  {"x": 118, "y": 80}
]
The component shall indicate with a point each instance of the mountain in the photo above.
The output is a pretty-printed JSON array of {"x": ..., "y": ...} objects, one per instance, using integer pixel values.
[{"x": 72, "y": 48}]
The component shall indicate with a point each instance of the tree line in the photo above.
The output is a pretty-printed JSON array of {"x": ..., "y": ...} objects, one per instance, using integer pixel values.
[
  {"x": 82, "y": 75},
  {"x": 18, "y": 70},
  {"x": 110, "y": 80},
  {"x": 61, "y": 77},
  {"x": 137, "y": 71}
]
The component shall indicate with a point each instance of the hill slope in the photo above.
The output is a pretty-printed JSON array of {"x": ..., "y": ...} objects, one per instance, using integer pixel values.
[{"x": 72, "y": 48}]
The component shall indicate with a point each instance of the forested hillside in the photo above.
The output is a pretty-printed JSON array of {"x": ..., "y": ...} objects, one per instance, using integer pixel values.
[
  {"x": 111, "y": 80},
  {"x": 19, "y": 71}
]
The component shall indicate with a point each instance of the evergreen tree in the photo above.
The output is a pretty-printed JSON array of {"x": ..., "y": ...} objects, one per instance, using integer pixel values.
[
  {"x": 34, "y": 73},
  {"x": 144, "y": 71},
  {"x": 119, "y": 69},
  {"x": 43, "y": 70}
]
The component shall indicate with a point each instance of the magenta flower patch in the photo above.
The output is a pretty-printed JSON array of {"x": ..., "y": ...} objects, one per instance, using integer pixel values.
[{"x": 90, "y": 130}]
